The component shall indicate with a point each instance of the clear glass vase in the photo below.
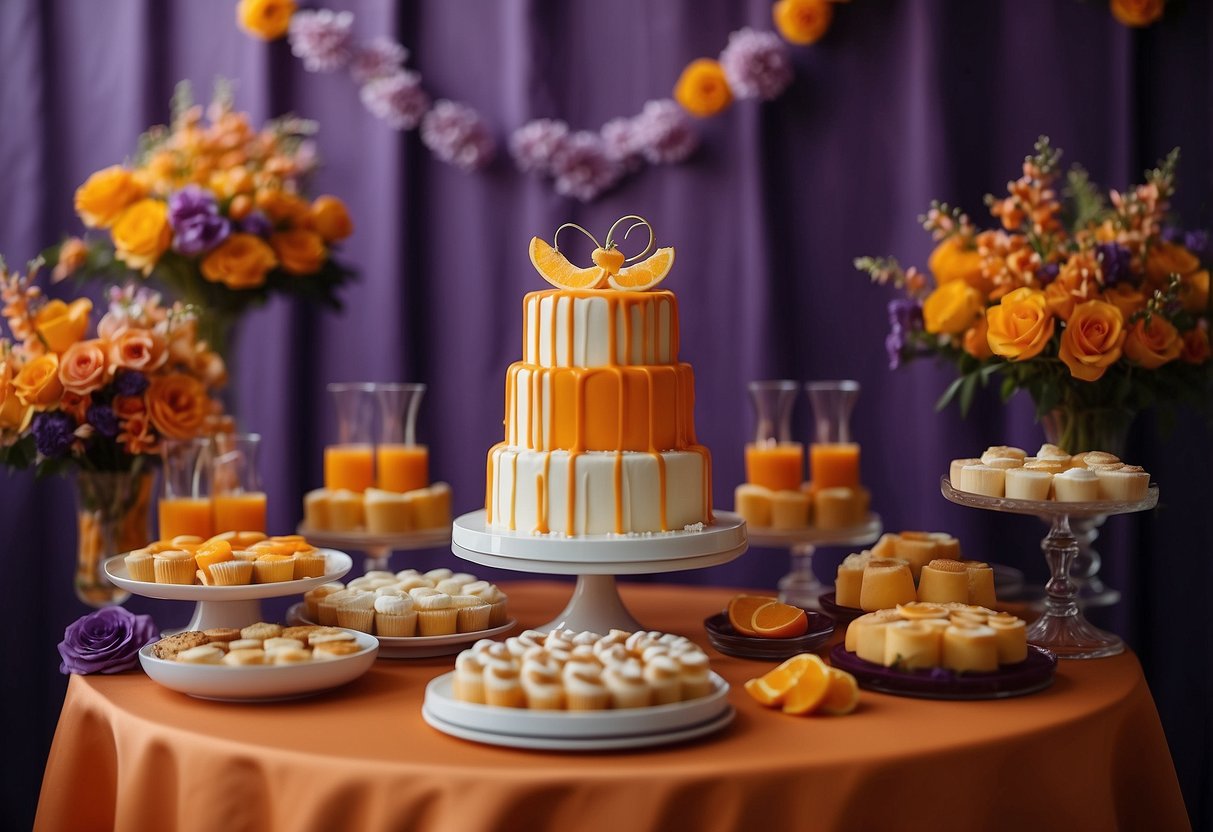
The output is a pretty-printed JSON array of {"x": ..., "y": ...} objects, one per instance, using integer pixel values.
[{"x": 112, "y": 516}]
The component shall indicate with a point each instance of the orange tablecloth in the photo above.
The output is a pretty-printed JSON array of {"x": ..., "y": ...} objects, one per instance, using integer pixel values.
[{"x": 1088, "y": 753}]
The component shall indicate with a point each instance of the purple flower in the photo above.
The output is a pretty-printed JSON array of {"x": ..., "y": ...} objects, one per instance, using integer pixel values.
[
  {"x": 456, "y": 134},
  {"x": 1047, "y": 273},
  {"x": 105, "y": 641},
  {"x": 582, "y": 168},
  {"x": 53, "y": 433},
  {"x": 197, "y": 225},
  {"x": 756, "y": 64},
  {"x": 103, "y": 420},
  {"x": 621, "y": 138},
  {"x": 129, "y": 383},
  {"x": 257, "y": 223},
  {"x": 1196, "y": 241},
  {"x": 905, "y": 314},
  {"x": 376, "y": 59},
  {"x": 893, "y": 343},
  {"x": 398, "y": 99},
  {"x": 535, "y": 144},
  {"x": 322, "y": 39},
  {"x": 665, "y": 133},
  {"x": 1172, "y": 234},
  {"x": 1114, "y": 263}
]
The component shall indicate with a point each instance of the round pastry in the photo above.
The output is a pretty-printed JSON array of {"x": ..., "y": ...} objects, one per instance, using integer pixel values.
[
  {"x": 174, "y": 567},
  {"x": 188, "y": 542},
  {"x": 414, "y": 582},
  {"x": 981, "y": 583},
  {"x": 395, "y": 616},
  {"x": 244, "y": 656},
  {"x": 228, "y": 634},
  {"x": 273, "y": 645},
  {"x": 1077, "y": 485},
  {"x": 944, "y": 580},
  {"x": 261, "y": 630},
  {"x": 1047, "y": 465},
  {"x": 849, "y": 579},
  {"x": 916, "y": 610},
  {"x": 202, "y": 654},
  {"x": 169, "y": 646},
  {"x": 301, "y": 632},
  {"x": 335, "y": 650},
  {"x": 297, "y": 656},
  {"x": 451, "y": 586},
  {"x": 983, "y": 479},
  {"x": 970, "y": 649},
  {"x": 436, "y": 575},
  {"x": 1049, "y": 451},
  {"x": 1129, "y": 483},
  {"x": 244, "y": 644},
  {"x": 911, "y": 645},
  {"x": 327, "y": 635},
  {"x": 886, "y": 583},
  {"x": 1003, "y": 452}
]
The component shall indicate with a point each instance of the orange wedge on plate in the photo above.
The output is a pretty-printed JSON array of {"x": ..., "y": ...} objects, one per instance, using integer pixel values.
[
  {"x": 842, "y": 695},
  {"x": 741, "y": 611},
  {"x": 556, "y": 269},
  {"x": 644, "y": 275},
  {"x": 776, "y": 620},
  {"x": 772, "y": 687},
  {"x": 810, "y": 689}
]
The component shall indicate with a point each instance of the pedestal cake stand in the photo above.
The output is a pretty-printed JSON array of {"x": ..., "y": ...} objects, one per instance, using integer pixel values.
[
  {"x": 800, "y": 586},
  {"x": 378, "y": 547},
  {"x": 597, "y": 559},
  {"x": 1062, "y": 629}
]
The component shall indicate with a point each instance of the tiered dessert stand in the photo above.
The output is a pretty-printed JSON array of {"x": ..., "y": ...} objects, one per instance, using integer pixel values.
[
  {"x": 1062, "y": 629},
  {"x": 800, "y": 586},
  {"x": 378, "y": 547}
]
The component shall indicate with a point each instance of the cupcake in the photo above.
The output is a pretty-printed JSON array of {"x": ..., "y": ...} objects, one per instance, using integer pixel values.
[
  {"x": 327, "y": 608},
  {"x": 1129, "y": 483},
  {"x": 357, "y": 611},
  {"x": 610, "y": 640},
  {"x": 231, "y": 573},
  {"x": 696, "y": 679},
  {"x": 468, "y": 682},
  {"x": 309, "y": 564},
  {"x": 174, "y": 567},
  {"x": 584, "y": 689},
  {"x": 272, "y": 568},
  {"x": 664, "y": 677},
  {"x": 395, "y": 616},
  {"x": 613, "y": 655},
  {"x": 626, "y": 683},
  {"x": 473, "y": 613},
  {"x": 542, "y": 687},
  {"x": 502, "y": 686},
  {"x": 414, "y": 582},
  {"x": 435, "y": 614},
  {"x": 1077, "y": 485},
  {"x": 519, "y": 644},
  {"x": 140, "y": 566},
  {"x": 380, "y": 575},
  {"x": 313, "y": 597},
  {"x": 437, "y": 575}
]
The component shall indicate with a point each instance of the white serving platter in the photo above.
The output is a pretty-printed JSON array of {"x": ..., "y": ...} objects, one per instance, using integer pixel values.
[{"x": 418, "y": 647}]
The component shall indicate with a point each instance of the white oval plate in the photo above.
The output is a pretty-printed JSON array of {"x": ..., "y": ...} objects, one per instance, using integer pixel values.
[
  {"x": 417, "y": 647},
  {"x": 336, "y": 565},
  {"x": 260, "y": 682},
  {"x": 440, "y": 701}
]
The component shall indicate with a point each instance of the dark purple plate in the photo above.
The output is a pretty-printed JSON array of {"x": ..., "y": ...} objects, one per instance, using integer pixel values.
[
  {"x": 1035, "y": 673},
  {"x": 843, "y": 615},
  {"x": 727, "y": 640}
]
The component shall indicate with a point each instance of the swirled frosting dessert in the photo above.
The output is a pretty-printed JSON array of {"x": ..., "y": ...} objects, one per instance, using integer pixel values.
[{"x": 599, "y": 413}]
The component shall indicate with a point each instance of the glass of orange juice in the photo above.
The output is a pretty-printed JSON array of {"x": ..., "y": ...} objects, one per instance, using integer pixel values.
[
  {"x": 773, "y": 460},
  {"x": 350, "y": 463},
  {"x": 400, "y": 463},
  {"x": 185, "y": 504},
  {"x": 236, "y": 495},
  {"x": 833, "y": 457}
]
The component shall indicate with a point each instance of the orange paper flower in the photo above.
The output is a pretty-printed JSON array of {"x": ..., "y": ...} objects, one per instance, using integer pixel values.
[
  {"x": 702, "y": 89},
  {"x": 1137, "y": 13},
  {"x": 802, "y": 21},
  {"x": 1092, "y": 340},
  {"x": 265, "y": 19}
]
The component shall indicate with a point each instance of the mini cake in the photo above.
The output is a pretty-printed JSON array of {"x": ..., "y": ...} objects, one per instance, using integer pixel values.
[
  {"x": 1028, "y": 484},
  {"x": 541, "y": 683},
  {"x": 395, "y": 616},
  {"x": 944, "y": 581},
  {"x": 1053, "y": 474},
  {"x": 959, "y": 637},
  {"x": 1128, "y": 483},
  {"x": 983, "y": 479},
  {"x": 970, "y": 648},
  {"x": 174, "y": 567},
  {"x": 140, "y": 566},
  {"x": 663, "y": 673},
  {"x": 232, "y": 573},
  {"x": 468, "y": 684},
  {"x": 911, "y": 645},
  {"x": 502, "y": 684},
  {"x": 269, "y": 569},
  {"x": 627, "y": 685},
  {"x": 472, "y": 613},
  {"x": 388, "y": 512},
  {"x": 436, "y": 616},
  {"x": 309, "y": 564},
  {"x": 886, "y": 583},
  {"x": 584, "y": 687},
  {"x": 316, "y": 512},
  {"x": 313, "y": 597},
  {"x": 1077, "y": 485}
]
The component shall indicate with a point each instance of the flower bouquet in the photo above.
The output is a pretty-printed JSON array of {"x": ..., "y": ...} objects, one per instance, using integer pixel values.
[
  {"x": 1094, "y": 304},
  {"x": 214, "y": 210}
]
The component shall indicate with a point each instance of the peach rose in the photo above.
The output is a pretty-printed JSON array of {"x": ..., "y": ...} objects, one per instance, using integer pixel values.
[
  {"x": 181, "y": 341},
  {"x": 209, "y": 367},
  {"x": 300, "y": 251},
  {"x": 239, "y": 262},
  {"x": 62, "y": 324},
  {"x": 1020, "y": 325},
  {"x": 105, "y": 195},
  {"x": 1137, "y": 12},
  {"x": 1194, "y": 291},
  {"x": 38, "y": 384},
  {"x": 952, "y": 260},
  {"x": 951, "y": 308},
  {"x": 702, "y": 89},
  {"x": 177, "y": 405},
  {"x": 265, "y": 19},
  {"x": 1126, "y": 298},
  {"x": 976, "y": 342},
  {"x": 802, "y": 21},
  {"x": 284, "y": 208},
  {"x": 1166, "y": 259},
  {"x": 134, "y": 348},
  {"x": 14, "y": 414},
  {"x": 142, "y": 234},
  {"x": 1153, "y": 345},
  {"x": 1092, "y": 339},
  {"x": 83, "y": 367},
  {"x": 1195, "y": 346}
]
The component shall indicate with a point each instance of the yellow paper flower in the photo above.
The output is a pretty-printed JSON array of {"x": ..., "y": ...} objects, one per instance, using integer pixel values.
[
  {"x": 329, "y": 218},
  {"x": 1154, "y": 345},
  {"x": 61, "y": 324},
  {"x": 953, "y": 260},
  {"x": 103, "y": 197},
  {"x": 142, "y": 234},
  {"x": 177, "y": 405},
  {"x": 265, "y": 19},
  {"x": 802, "y": 21},
  {"x": 300, "y": 251},
  {"x": 38, "y": 385},
  {"x": 702, "y": 89},
  {"x": 1092, "y": 339},
  {"x": 951, "y": 308},
  {"x": 1137, "y": 12},
  {"x": 1020, "y": 325},
  {"x": 239, "y": 262}
]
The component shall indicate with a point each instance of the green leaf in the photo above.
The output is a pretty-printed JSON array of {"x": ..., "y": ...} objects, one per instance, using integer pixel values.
[
  {"x": 967, "y": 390},
  {"x": 949, "y": 394},
  {"x": 1008, "y": 388}
]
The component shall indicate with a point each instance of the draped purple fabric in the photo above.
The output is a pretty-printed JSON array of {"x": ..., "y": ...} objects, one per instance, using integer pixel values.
[{"x": 901, "y": 103}]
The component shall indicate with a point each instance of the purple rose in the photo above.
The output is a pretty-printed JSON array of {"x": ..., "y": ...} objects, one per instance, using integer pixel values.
[
  {"x": 54, "y": 433},
  {"x": 105, "y": 641},
  {"x": 197, "y": 225}
]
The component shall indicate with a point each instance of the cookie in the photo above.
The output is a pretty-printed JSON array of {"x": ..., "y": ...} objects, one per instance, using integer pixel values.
[
  {"x": 221, "y": 634},
  {"x": 168, "y": 648}
]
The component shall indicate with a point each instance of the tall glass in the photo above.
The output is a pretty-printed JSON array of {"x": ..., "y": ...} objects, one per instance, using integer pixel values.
[
  {"x": 185, "y": 505},
  {"x": 833, "y": 457},
  {"x": 773, "y": 460},
  {"x": 350, "y": 463},
  {"x": 401, "y": 464},
  {"x": 237, "y": 496}
]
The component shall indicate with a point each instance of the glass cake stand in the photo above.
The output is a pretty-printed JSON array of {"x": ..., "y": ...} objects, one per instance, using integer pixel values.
[
  {"x": 800, "y": 586},
  {"x": 1062, "y": 629},
  {"x": 597, "y": 559},
  {"x": 378, "y": 547}
]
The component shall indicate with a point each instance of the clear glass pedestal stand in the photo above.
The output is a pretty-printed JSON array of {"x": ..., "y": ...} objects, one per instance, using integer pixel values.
[
  {"x": 800, "y": 586},
  {"x": 377, "y": 548}
]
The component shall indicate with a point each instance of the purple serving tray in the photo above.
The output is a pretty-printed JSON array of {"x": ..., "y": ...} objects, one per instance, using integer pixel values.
[
  {"x": 843, "y": 615},
  {"x": 728, "y": 641},
  {"x": 1033, "y": 674}
]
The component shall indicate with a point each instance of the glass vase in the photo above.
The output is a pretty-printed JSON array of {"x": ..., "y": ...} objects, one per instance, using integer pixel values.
[{"x": 113, "y": 510}]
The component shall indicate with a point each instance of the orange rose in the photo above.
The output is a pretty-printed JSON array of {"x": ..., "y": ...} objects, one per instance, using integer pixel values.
[
  {"x": 300, "y": 251},
  {"x": 105, "y": 195},
  {"x": 1166, "y": 259},
  {"x": 181, "y": 341},
  {"x": 60, "y": 324},
  {"x": 75, "y": 405},
  {"x": 1194, "y": 291},
  {"x": 1020, "y": 325},
  {"x": 702, "y": 89},
  {"x": 1137, "y": 12},
  {"x": 239, "y": 262},
  {"x": 14, "y": 414},
  {"x": 1125, "y": 298},
  {"x": 976, "y": 342},
  {"x": 954, "y": 260},
  {"x": 329, "y": 219},
  {"x": 802, "y": 21},
  {"x": 38, "y": 385},
  {"x": 1195, "y": 346},
  {"x": 284, "y": 208},
  {"x": 177, "y": 405},
  {"x": 1154, "y": 345},
  {"x": 73, "y": 255},
  {"x": 126, "y": 407},
  {"x": 265, "y": 19},
  {"x": 951, "y": 308},
  {"x": 1092, "y": 339},
  {"x": 142, "y": 234},
  {"x": 134, "y": 348},
  {"x": 83, "y": 367}
]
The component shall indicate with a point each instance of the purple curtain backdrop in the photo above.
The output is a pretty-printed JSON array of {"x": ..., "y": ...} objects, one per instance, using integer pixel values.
[{"x": 901, "y": 103}]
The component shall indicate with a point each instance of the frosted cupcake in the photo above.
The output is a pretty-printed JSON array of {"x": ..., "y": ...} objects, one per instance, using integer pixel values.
[
  {"x": 140, "y": 566},
  {"x": 584, "y": 689},
  {"x": 627, "y": 685},
  {"x": 468, "y": 683},
  {"x": 541, "y": 685},
  {"x": 664, "y": 676},
  {"x": 309, "y": 564},
  {"x": 357, "y": 611},
  {"x": 435, "y": 614},
  {"x": 327, "y": 608},
  {"x": 312, "y": 598},
  {"x": 696, "y": 678},
  {"x": 502, "y": 686},
  {"x": 395, "y": 616},
  {"x": 271, "y": 568},
  {"x": 473, "y": 613},
  {"x": 174, "y": 567}
]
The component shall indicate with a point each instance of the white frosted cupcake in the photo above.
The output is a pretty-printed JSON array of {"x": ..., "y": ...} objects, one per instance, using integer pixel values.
[
  {"x": 140, "y": 566},
  {"x": 326, "y": 608},
  {"x": 357, "y": 611},
  {"x": 664, "y": 675},
  {"x": 1077, "y": 485},
  {"x": 468, "y": 684},
  {"x": 415, "y": 582},
  {"x": 639, "y": 640},
  {"x": 406, "y": 574},
  {"x": 696, "y": 678},
  {"x": 437, "y": 575},
  {"x": 473, "y": 613},
  {"x": 1129, "y": 483},
  {"x": 524, "y": 641},
  {"x": 627, "y": 685},
  {"x": 611, "y": 639},
  {"x": 614, "y": 655},
  {"x": 395, "y": 616},
  {"x": 313, "y": 597},
  {"x": 502, "y": 685},
  {"x": 435, "y": 614},
  {"x": 584, "y": 689},
  {"x": 541, "y": 684}
]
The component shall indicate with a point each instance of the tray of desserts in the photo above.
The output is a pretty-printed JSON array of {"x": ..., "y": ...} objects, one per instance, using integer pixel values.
[
  {"x": 261, "y": 662},
  {"x": 336, "y": 565},
  {"x": 416, "y": 647},
  {"x": 759, "y": 627}
]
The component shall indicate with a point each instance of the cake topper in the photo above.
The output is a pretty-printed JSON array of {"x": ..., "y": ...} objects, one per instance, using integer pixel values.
[{"x": 608, "y": 268}]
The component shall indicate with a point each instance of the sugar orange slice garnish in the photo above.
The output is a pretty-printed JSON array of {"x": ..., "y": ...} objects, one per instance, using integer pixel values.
[
  {"x": 772, "y": 687},
  {"x": 778, "y": 620},
  {"x": 809, "y": 691},
  {"x": 741, "y": 611},
  {"x": 645, "y": 274},
  {"x": 556, "y": 269},
  {"x": 842, "y": 694}
]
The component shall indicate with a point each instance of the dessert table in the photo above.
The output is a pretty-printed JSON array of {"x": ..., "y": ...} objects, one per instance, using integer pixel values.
[{"x": 1087, "y": 753}]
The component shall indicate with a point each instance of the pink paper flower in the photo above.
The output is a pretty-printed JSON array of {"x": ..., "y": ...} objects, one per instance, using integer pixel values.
[
  {"x": 582, "y": 167},
  {"x": 456, "y": 134},
  {"x": 535, "y": 144},
  {"x": 377, "y": 58},
  {"x": 665, "y": 134},
  {"x": 756, "y": 64},
  {"x": 621, "y": 139},
  {"x": 398, "y": 99},
  {"x": 323, "y": 40}
]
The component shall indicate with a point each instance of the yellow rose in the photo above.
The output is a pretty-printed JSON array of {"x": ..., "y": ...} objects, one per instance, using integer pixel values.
[
  {"x": 38, "y": 384},
  {"x": 177, "y": 405},
  {"x": 300, "y": 251},
  {"x": 1196, "y": 346},
  {"x": 1166, "y": 259},
  {"x": 142, "y": 234},
  {"x": 265, "y": 19},
  {"x": 283, "y": 208},
  {"x": 84, "y": 367},
  {"x": 329, "y": 219},
  {"x": 1020, "y": 325},
  {"x": 1091, "y": 341},
  {"x": 802, "y": 21},
  {"x": 1154, "y": 345},
  {"x": 976, "y": 342},
  {"x": 105, "y": 195},
  {"x": 1194, "y": 291},
  {"x": 60, "y": 324},
  {"x": 1137, "y": 12},
  {"x": 239, "y": 262},
  {"x": 951, "y": 308},
  {"x": 952, "y": 260},
  {"x": 702, "y": 89},
  {"x": 14, "y": 414},
  {"x": 1125, "y": 298}
]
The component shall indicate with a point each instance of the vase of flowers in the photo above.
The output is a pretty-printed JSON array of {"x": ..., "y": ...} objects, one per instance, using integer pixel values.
[{"x": 112, "y": 516}]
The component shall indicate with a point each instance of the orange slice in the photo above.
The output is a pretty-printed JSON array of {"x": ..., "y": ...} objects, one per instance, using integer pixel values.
[
  {"x": 556, "y": 269},
  {"x": 210, "y": 553},
  {"x": 772, "y": 687},
  {"x": 776, "y": 620},
  {"x": 644, "y": 275},
  {"x": 842, "y": 694},
  {"x": 810, "y": 689},
  {"x": 741, "y": 611}
]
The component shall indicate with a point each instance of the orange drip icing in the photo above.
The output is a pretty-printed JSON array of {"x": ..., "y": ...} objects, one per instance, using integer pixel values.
[
  {"x": 619, "y": 492},
  {"x": 665, "y": 527},
  {"x": 488, "y": 482},
  {"x": 514, "y": 493},
  {"x": 541, "y": 497}
]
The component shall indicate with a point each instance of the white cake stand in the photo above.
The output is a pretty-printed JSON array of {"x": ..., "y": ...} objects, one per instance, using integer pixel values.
[
  {"x": 597, "y": 559},
  {"x": 800, "y": 586},
  {"x": 378, "y": 547},
  {"x": 1063, "y": 629}
]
